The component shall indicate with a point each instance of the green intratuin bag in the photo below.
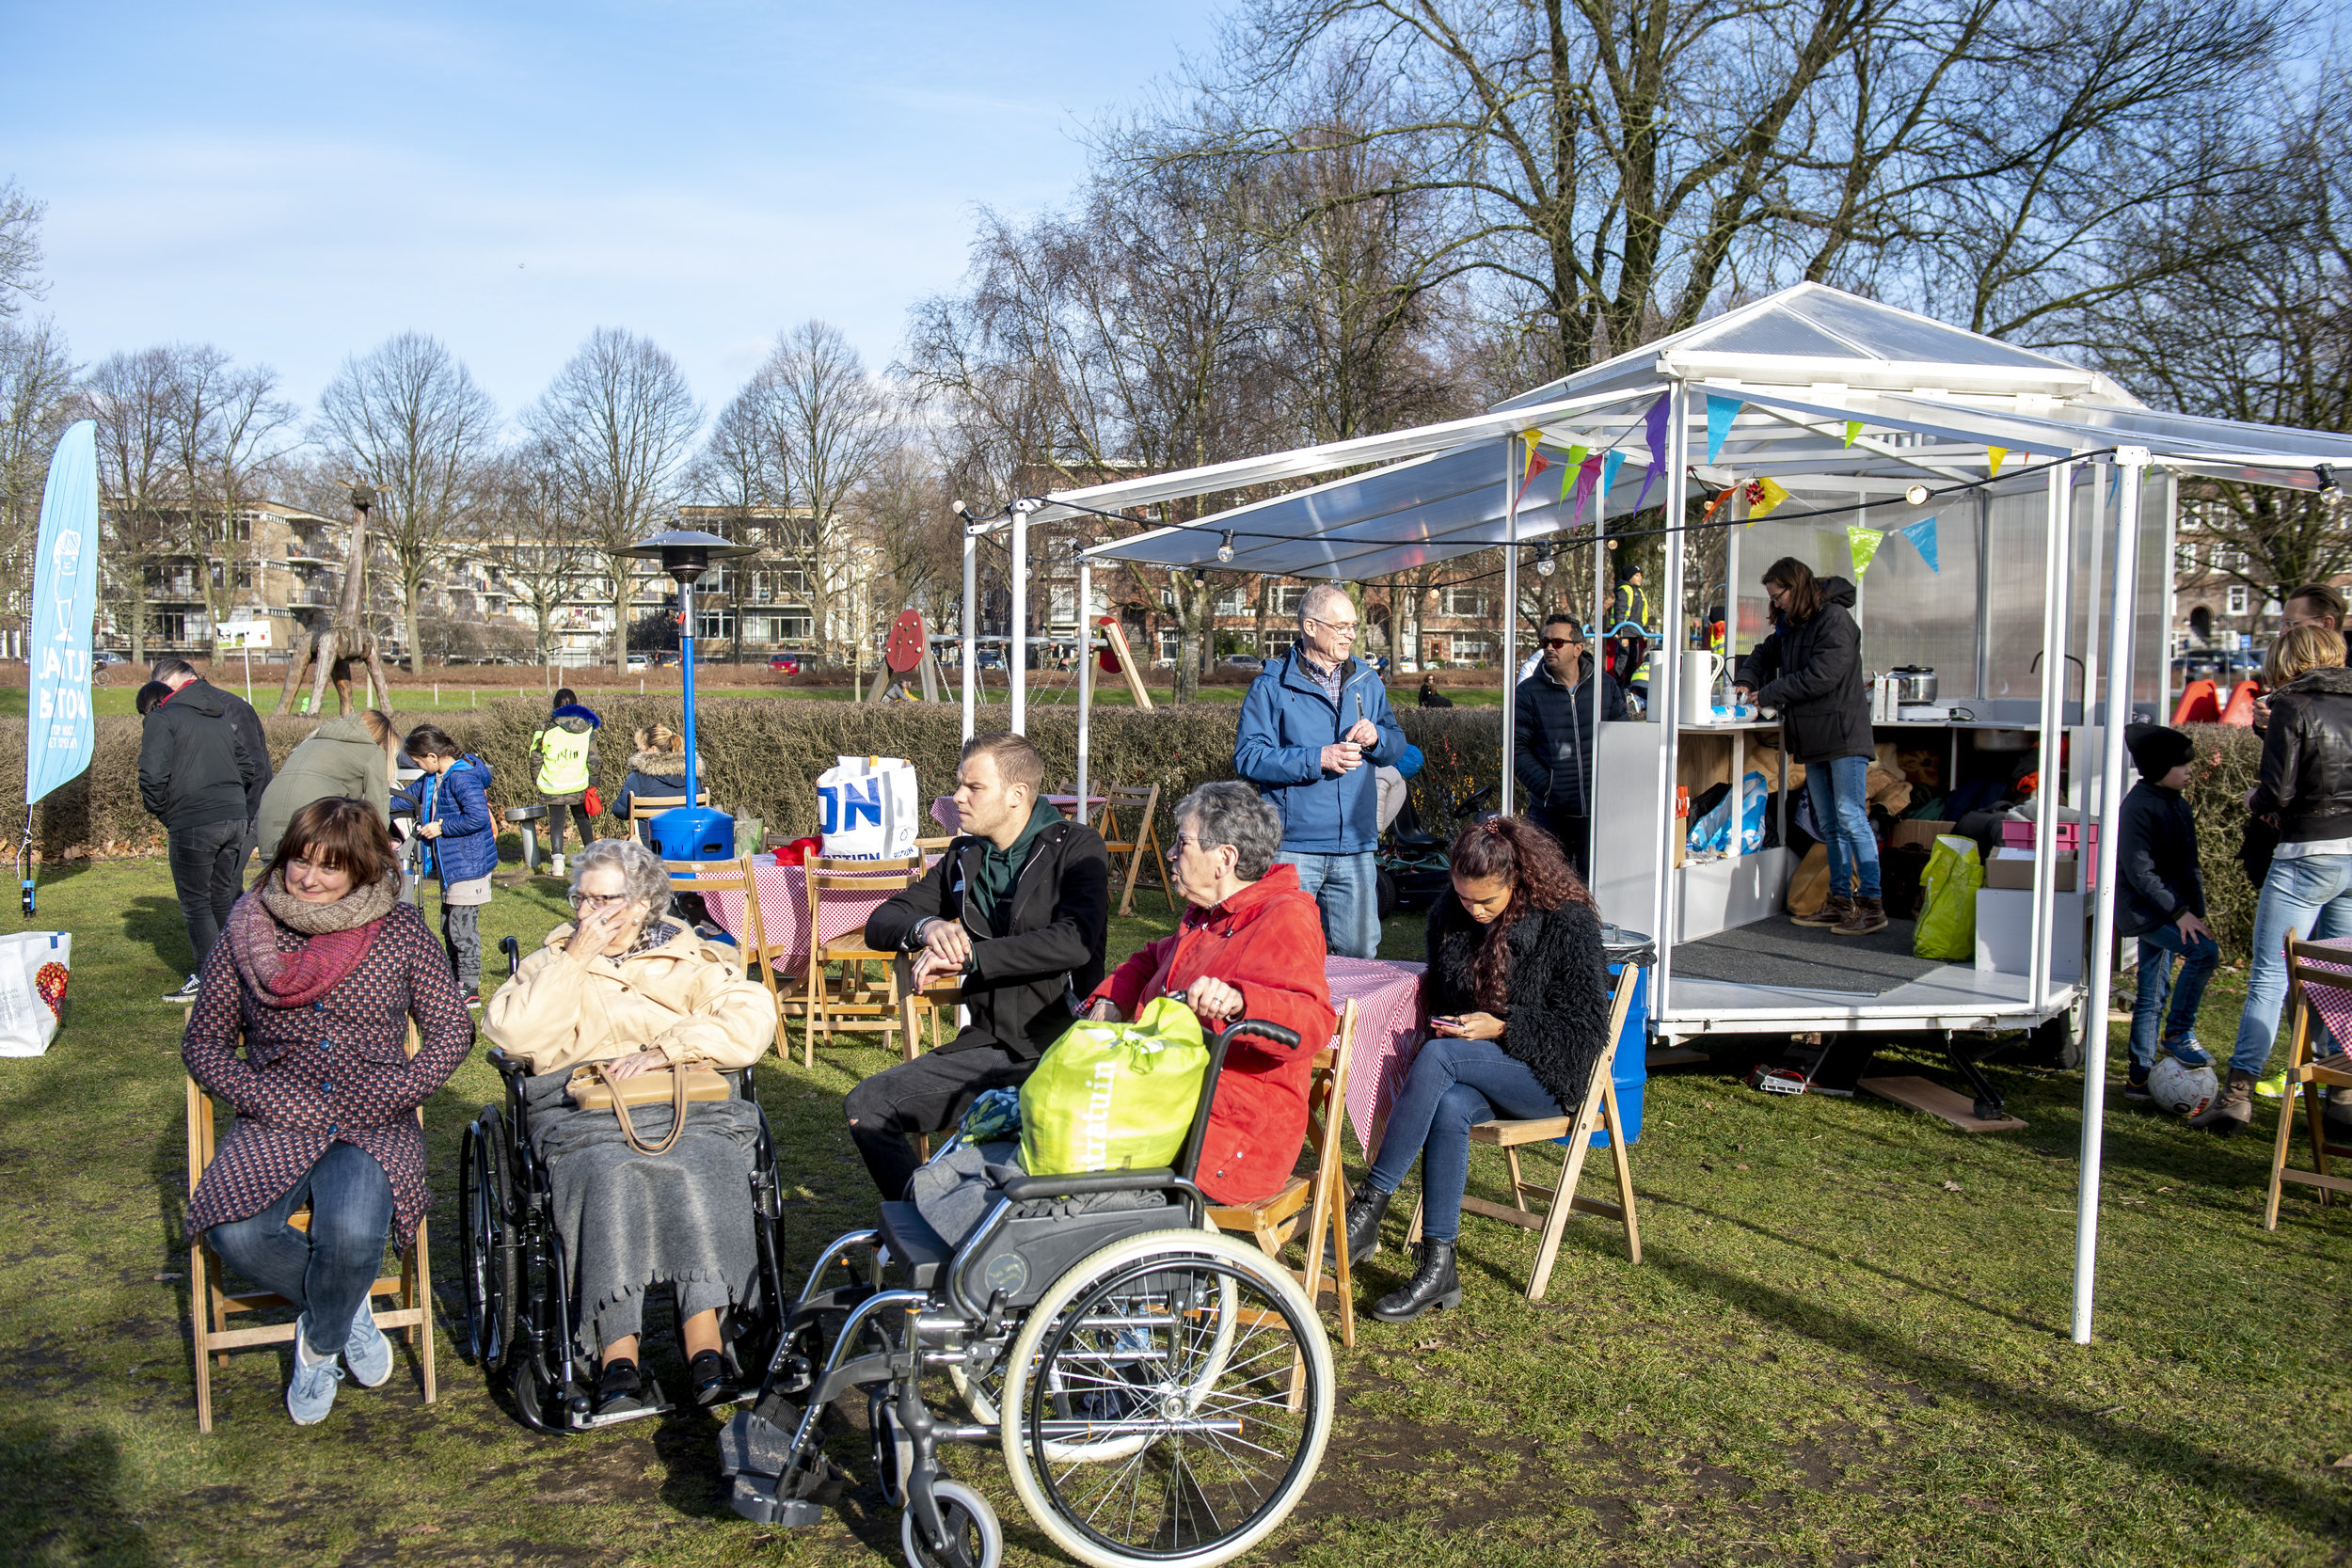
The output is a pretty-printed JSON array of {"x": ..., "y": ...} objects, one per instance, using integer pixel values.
[
  {"x": 1115, "y": 1096},
  {"x": 1947, "y": 915}
]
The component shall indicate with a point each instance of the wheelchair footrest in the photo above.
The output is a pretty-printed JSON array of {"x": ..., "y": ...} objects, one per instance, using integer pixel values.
[
  {"x": 752, "y": 1443},
  {"x": 754, "y": 1498}
]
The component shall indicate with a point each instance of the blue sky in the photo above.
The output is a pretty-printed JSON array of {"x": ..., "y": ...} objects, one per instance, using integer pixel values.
[{"x": 297, "y": 182}]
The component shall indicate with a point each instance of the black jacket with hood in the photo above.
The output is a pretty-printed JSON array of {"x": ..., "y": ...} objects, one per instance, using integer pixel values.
[
  {"x": 2306, "y": 757},
  {"x": 1021, "y": 985},
  {"x": 193, "y": 766},
  {"x": 2155, "y": 854},
  {"x": 1811, "y": 670}
]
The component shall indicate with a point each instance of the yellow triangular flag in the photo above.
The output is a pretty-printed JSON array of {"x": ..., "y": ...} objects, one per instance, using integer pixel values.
[
  {"x": 1853, "y": 428},
  {"x": 1764, "y": 493},
  {"x": 1864, "y": 543},
  {"x": 1994, "y": 454}
]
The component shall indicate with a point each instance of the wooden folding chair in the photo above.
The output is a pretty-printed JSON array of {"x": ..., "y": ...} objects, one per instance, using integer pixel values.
[
  {"x": 1599, "y": 1110},
  {"x": 211, "y": 1304},
  {"x": 1140, "y": 802},
  {"x": 2310, "y": 964},
  {"x": 1315, "y": 1197},
  {"x": 787, "y": 987},
  {"x": 852, "y": 1002}
]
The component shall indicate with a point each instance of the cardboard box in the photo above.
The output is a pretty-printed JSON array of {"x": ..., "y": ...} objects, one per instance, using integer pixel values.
[
  {"x": 2013, "y": 869},
  {"x": 2004, "y": 933},
  {"x": 1919, "y": 831}
]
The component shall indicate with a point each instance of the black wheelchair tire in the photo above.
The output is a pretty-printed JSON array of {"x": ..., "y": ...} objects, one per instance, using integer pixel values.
[
  {"x": 486, "y": 1240},
  {"x": 1387, "y": 895}
]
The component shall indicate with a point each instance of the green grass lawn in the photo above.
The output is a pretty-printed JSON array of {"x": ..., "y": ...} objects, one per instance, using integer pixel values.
[{"x": 1847, "y": 1344}]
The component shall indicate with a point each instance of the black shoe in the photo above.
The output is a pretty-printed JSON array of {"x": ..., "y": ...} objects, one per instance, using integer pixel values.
[
  {"x": 1366, "y": 1207},
  {"x": 619, "y": 1388},
  {"x": 1434, "y": 1284},
  {"x": 707, "y": 1375},
  {"x": 2136, "y": 1088}
]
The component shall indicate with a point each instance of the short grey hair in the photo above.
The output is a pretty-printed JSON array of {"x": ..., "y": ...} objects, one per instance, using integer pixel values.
[
  {"x": 1315, "y": 600},
  {"x": 1234, "y": 813},
  {"x": 642, "y": 875}
]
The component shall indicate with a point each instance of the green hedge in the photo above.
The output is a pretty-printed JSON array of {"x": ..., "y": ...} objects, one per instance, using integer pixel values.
[{"x": 2227, "y": 760}]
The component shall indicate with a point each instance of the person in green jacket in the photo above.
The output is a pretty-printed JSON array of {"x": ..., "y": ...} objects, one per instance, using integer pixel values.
[{"x": 353, "y": 756}]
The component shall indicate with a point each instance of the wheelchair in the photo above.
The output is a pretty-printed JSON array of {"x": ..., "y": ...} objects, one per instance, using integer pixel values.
[
  {"x": 1161, "y": 1392},
  {"x": 520, "y": 1311}
]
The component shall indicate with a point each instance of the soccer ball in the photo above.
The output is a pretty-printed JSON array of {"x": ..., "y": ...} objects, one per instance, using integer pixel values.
[{"x": 2182, "y": 1089}]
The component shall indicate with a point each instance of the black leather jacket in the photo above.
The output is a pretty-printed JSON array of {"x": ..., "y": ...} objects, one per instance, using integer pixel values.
[
  {"x": 2307, "y": 758},
  {"x": 1811, "y": 670}
]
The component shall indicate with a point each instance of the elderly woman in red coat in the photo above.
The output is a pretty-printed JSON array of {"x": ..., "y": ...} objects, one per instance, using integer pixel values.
[{"x": 1251, "y": 946}]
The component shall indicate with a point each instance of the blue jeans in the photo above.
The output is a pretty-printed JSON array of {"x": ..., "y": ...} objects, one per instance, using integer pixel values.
[
  {"x": 1841, "y": 809},
  {"x": 1454, "y": 1085},
  {"x": 326, "y": 1271},
  {"x": 1347, "y": 889},
  {"x": 2157, "y": 949},
  {"x": 2309, "y": 898}
]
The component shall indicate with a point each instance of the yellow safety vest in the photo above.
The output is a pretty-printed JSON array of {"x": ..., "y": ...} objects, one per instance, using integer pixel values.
[{"x": 563, "y": 761}]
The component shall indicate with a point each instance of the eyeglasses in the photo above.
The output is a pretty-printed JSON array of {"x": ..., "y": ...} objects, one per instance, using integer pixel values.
[
  {"x": 1344, "y": 629},
  {"x": 596, "y": 900},
  {"x": 1557, "y": 642}
]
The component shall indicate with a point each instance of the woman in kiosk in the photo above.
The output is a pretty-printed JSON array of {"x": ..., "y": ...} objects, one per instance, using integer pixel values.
[
  {"x": 629, "y": 988},
  {"x": 1518, "y": 997}
]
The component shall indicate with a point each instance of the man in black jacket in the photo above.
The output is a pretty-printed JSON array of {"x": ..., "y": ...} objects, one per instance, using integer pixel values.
[
  {"x": 178, "y": 673},
  {"x": 2160, "y": 899},
  {"x": 1554, "y": 726},
  {"x": 1019, "y": 906},
  {"x": 196, "y": 775}
]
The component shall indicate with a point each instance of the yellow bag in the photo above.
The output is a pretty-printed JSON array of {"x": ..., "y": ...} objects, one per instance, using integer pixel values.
[
  {"x": 1948, "y": 909},
  {"x": 1115, "y": 1096}
]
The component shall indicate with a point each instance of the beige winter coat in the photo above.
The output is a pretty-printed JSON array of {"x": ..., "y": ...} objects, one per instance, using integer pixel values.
[{"x": 683, "y": 999}]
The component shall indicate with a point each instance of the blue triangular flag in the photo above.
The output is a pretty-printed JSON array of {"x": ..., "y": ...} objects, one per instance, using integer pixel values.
[
  {"x": 1720, "y": 411},
  {"x": 1610, "y": 462},
  {"x": 1922, "y": 537}
]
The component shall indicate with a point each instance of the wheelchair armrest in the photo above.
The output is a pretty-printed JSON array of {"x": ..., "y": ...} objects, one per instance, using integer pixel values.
[
  {"x": 1021, "y": 1189},
  {"x": 507, "y": 1067}
]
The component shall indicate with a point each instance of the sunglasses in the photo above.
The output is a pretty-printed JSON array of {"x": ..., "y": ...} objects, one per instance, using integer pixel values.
[{"x": 1558, "y": 642}]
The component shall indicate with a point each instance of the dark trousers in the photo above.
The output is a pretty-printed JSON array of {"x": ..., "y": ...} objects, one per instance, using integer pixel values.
[
  {"x": 1454, "y": 1086},
  {"x": 928, "y": 1094},
  {"x": 558, "y": 806},
  {"x": 1573, "y": 831},
  {"x": 208, "y": 873},
  {"x": 327, "y": 1270}
]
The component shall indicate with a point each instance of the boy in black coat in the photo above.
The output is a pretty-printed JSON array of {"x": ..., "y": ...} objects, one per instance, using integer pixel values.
[{"x": 2160, "y": 899}]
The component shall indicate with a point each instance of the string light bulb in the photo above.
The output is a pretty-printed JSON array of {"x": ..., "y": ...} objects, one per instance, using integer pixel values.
[
  {"x": 1225, "y": 550},
  {"x": 2330, "y": 491},
  {"x": 1542, "y": 560},
  {"x": 1916, "y": 494}
]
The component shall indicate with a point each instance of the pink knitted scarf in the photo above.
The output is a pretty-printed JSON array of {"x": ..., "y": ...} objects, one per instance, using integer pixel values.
[{"x": 337, "y": 933}]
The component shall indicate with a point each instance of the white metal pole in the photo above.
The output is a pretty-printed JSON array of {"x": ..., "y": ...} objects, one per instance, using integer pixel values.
[
  {"x": 2131, "y": 463},
  {"x": 2058, "y": 614},
  {"x": 1510, "y": 618},
  {"x": 1665, "y": 705},
  {"x": 1017, "y": 630},
  {"x": 1601, "y": 673},
  {"x": 1086, "y": 673},
  {"x": 970, "y": 623}
]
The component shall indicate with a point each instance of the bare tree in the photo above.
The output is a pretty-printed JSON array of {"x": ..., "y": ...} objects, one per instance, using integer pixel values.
[
  {"x": 20, "y": 248},
  {"x": 226, "y": 427},
  {"x": 536, "y": 540},
  {"x": 737, "y": 474},
  {"x": 828, "y": 425},
  {"x": 619, "y": 422},
  {"x": 902, "y": 509},
  {"x": 129, "y": 396},
  {"x": 35, "y": 404},
  {"x": 409, "y": 419}
]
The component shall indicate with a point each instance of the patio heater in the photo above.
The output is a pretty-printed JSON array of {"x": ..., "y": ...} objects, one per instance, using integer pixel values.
[{"x": 690, "y": 831}]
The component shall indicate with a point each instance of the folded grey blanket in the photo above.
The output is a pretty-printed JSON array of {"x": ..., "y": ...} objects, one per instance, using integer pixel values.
[
  {"x": 631, "y": 1220},
  {"x": 961, "y": 1183}
]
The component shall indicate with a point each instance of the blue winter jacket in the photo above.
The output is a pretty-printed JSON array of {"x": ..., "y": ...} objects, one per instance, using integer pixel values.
[
  {"x": 459, "y": 800},
  {"x": 1286, "y": 720}
]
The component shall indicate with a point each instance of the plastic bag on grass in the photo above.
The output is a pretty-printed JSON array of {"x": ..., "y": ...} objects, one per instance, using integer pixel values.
[
  {"x": 1948, "y": 909},
  {"x": 34, "y": 967},
  {"x": 1115, "y": 1096}
]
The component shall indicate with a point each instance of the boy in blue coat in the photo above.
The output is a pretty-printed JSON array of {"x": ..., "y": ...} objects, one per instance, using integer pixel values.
[
  {"x": 1313, "y": 727},
  {"x": 452, "y": 805}
]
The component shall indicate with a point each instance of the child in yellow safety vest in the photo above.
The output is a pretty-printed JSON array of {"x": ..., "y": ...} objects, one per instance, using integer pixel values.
[{"x": 564, "y": 754}]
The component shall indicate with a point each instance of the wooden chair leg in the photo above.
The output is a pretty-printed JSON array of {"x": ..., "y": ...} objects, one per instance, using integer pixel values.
[
  {"x": 1412, "y": 1232},
  {"x": 1518, "y": 1194},
  {"x": 1572, "y": 1170},
  {"x": 1127, "y": 895},
  {"x": 419, "y": 1295},
  {"x": 1335, "y": 1228},
  {"x": 2318, "y": 1119},
  {"x": 200, "y": 1311},
  {"x": 2278, "y": 1145},
  {"x": 1623, "y": 1159}
]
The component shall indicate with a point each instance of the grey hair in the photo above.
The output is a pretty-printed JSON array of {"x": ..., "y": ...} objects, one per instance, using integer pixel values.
[
  {"x": 643, "y": 876},
  {"x": 1234, "y": 813},
  {"x": 1314, "y": 600}
]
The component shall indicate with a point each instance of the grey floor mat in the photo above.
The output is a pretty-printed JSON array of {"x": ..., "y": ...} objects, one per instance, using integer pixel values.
[{"x": 1774, "y": 953}]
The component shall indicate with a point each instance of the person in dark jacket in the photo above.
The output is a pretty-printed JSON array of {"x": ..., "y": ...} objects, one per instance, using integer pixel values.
[
  {"x": 1518, "y": 997},
  {"x": 1019, "y": 906},
  {"x": 197, "y": 775},
  {"x": 453, "y": 806},
  {"x": 656, "y": 768},
  {"x": 178, "y": 672},
  {"x": 2304, "y": 790},
  {"x": 1810, "y": 669},
  {"x": 1554, "y": 723},
  {"x": 2160, "y": 899}
]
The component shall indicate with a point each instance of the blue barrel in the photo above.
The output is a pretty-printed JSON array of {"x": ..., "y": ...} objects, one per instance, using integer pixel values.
[{"x": 1631, "y": 1070}]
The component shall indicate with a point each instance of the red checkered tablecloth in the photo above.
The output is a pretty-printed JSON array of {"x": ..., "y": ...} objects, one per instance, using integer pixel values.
[
  {"x": 783, "y": 910},
  {"x": 1388, "y": 1032},
  {"x": 2334, "y": 1006}
]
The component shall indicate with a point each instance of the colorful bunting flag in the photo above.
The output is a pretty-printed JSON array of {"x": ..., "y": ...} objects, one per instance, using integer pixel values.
[
  {"x": 1994, "y": 456},
  {"x": 1573, "y": 470},
  {"x": 1922, "y": 537},
  {"x": 1764, "y": 493},
  {"x": 1720, "y": 411},
  {"x": 1864, "y": 543},
  {"x": 1587, "y": 475},
  {"x": 1653, "y": 429},
  {"x": 1853, "y": 428},
  {"x": 1536, "y": 464},
  {"x": 1611, "y": 462}
]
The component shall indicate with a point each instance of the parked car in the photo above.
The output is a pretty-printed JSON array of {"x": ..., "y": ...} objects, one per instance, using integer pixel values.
[
  {"x": 101, "y": 658},
  {"x": 987, "y": 658},
  {"x": 640, "y": 661},
  {"x": 1243, "y": 661},
  {"x": 785, "y": 664}
]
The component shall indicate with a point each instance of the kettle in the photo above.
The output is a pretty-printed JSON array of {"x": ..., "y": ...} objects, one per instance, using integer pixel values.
[
  {"x": 1701, "y": 669},
  {"x": 1913, "y": 682}
]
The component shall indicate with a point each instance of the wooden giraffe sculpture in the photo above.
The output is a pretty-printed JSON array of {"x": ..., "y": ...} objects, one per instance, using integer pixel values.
[{"x": 347, "y": 640}]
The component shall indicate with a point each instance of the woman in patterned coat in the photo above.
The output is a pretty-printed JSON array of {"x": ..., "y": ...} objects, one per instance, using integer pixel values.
[{"x": 316, "y": 977}]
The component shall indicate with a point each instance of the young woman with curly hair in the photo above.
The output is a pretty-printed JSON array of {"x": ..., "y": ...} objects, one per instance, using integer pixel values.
[{"x": 1517, "y": 996}]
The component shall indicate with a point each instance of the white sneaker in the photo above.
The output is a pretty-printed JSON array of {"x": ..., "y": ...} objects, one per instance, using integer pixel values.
[
  {"x": 310, "y": 1392},
  {"x": 186, "y": 993}
]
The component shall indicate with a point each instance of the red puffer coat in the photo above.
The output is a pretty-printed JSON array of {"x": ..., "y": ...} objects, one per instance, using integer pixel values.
[{"x": 1266, "y": 942}]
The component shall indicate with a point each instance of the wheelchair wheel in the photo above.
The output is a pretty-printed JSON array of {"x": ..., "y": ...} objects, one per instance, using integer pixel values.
[
  {"x": 972, "y": 1525},
  {"x": 486, "y": 1246},
  {"x": 1203, "y": 1353}
]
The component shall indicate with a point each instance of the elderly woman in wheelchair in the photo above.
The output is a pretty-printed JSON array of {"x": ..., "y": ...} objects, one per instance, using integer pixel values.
[{"x": 630, "y": 1147}]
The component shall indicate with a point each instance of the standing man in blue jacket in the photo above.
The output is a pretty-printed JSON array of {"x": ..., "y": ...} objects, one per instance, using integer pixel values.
[{"x": 1313, "y": 726}]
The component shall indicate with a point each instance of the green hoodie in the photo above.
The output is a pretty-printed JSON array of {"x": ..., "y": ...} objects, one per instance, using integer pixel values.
[
  {"x": 991, "y": 892},
  {"x": 340, "y": 757}
]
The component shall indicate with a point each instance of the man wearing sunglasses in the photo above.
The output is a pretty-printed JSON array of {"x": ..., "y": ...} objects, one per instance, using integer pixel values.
[
  {"x": 1314, "y": 725},
  {"x": 1556, "y": 721}
]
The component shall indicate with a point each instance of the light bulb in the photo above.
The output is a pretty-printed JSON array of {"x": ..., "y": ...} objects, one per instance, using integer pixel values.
[
  {"x": 2328, "y": 489},
  {"x": 1542, "y": 560},
  {"x": 1916, "y": 494}
]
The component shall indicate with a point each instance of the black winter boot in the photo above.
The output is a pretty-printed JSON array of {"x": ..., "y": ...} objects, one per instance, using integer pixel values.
[
  {"x": 1366, "y": 1207},
  {"x": 1434, "y": 1284}
]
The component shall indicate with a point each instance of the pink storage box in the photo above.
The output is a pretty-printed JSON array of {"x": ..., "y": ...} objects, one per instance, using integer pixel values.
[{"x": 2019, "y": 835}]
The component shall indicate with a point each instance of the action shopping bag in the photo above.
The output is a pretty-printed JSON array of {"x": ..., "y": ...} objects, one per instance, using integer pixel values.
[
  {"x": 868, "y": 809},
  {"x": 1115, "y": 1096},
  {"x": 33, "y": 971},
  {"x": 1947, "y": 910}
]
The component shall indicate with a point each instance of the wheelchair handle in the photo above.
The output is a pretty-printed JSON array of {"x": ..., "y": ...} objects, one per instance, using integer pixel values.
[
  {"x": 1261, "y": 1028},
  {"x": 1021, "y": 1189}
]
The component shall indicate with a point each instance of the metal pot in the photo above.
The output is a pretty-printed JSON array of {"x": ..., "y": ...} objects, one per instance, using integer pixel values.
[{"x": 1914, "y": 683}]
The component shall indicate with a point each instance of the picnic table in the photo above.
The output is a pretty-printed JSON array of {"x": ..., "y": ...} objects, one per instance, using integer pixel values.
[{"x": 784, "y": 910}]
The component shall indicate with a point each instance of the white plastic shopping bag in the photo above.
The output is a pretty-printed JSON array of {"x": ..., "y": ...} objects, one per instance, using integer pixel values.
[
  {"x": 868, "y": 809},
  {"x": 33, "y": 969}
]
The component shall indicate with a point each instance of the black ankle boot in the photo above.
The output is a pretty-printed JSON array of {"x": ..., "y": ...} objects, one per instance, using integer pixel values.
[
  {"x": 1434, "y": 1284},
  {"x": 1366, "y": 1208}
]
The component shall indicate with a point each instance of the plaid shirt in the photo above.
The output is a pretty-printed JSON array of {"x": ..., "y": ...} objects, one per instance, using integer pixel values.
[{"x": 1329, "y": 679}]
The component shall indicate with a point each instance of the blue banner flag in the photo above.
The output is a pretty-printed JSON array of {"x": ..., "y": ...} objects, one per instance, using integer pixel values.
[
  {"x": 65, "y": 599},
  {"x": 1922, "y": 537},
  {"x": 1720, "y": 411}
]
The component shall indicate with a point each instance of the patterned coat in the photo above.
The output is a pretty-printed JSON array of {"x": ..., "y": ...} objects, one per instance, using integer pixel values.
[{"x": 334, "y": 1072}]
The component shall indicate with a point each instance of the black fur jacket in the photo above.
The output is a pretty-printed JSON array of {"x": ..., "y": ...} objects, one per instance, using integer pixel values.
[{"x": 1558, "y": 1018}]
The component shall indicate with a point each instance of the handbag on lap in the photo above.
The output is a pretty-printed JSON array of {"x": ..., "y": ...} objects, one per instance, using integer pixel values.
[{"x": 592, "y": 1087}]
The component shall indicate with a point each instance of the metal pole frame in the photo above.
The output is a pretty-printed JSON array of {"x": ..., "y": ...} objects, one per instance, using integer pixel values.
[
  {"x": 1600, "y": 673},
  {"x": 1510, "y": 619},
  {"x": 970, "y": 623},
  {"x": 1017, "y": 630},
  {"x": 1086, "y": 674},
  {"x": 1664, "y": 698},
  {"x": 2058, "y": 614},
  {"x": 2131, "y": 465}
]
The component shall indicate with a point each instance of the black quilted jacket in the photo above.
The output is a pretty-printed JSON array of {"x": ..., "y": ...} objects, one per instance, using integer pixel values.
[{"x": 1558, "y": 1018}]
